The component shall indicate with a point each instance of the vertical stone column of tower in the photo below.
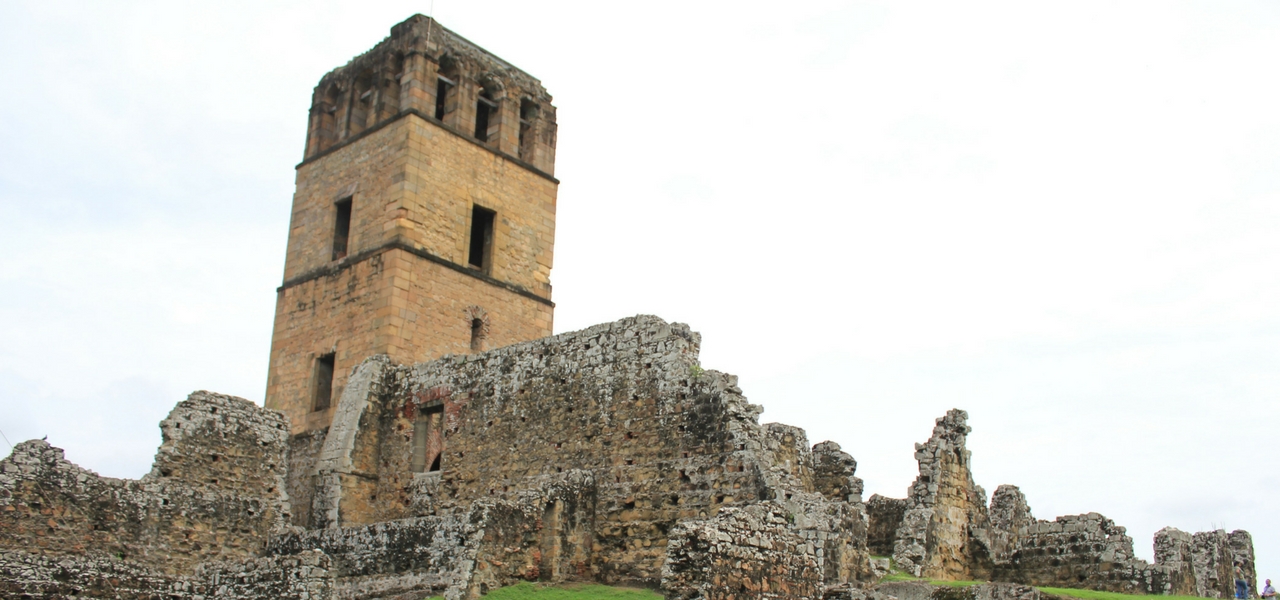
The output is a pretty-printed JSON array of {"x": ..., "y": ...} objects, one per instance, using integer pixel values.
[{"x": 424, "y": 218}]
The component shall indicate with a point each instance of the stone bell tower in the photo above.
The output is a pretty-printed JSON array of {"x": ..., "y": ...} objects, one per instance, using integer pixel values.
[{"x": 424, "y": 218}]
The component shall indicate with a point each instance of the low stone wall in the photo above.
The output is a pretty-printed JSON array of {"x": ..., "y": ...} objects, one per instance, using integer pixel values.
[{"x": 740, "y": 554}]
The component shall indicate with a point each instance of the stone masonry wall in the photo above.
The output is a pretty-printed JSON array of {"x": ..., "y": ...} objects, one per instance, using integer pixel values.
[
  {"x": 215, "y": 492},
  {"x": 1241, "y": 544},
  {"x": 833, "y": 471},
  {"x": 1213, "y": 563},
  {"x": 1173, "y": 550}
]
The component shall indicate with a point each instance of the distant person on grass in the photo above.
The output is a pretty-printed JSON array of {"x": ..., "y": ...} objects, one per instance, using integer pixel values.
[
  {"x": 1242, "y": 588},
  {"x": 1268, "y": 591}
]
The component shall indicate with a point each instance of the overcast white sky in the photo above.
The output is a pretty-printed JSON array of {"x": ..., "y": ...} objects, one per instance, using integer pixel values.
[{"x": 1061, "y": 217}]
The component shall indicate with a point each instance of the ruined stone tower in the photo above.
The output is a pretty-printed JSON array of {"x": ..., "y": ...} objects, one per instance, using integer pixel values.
[{"x": 424, "y": 217}]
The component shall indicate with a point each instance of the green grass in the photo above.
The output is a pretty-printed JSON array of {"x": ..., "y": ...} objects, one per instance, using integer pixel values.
[
  {"x": 1096, "y": 595},
  {"x": 899, "y": 576},
  {"x": 533, "y": 591}
]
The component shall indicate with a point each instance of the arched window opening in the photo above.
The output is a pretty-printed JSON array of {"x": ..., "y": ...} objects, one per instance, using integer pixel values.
[
  {"x": 477, "y": 335},
  {"x": 480, "y": 252},
  {"x": 362, "y": 104},
  {"x": 390, "y": 97},
  {"x": 327, "y": 129},
  {"x": 341, "y": 228},
  {"x": 528, "y": 114},
  {"x": 322, "y": 389},
  {"x": 486, "y": 110},
  {"x": 428, "y": 439},
  {"x": 446, "y": 88}
]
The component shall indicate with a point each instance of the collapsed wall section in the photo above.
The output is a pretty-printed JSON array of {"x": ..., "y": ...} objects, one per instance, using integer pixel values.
[{"x": 626, "y": 402}]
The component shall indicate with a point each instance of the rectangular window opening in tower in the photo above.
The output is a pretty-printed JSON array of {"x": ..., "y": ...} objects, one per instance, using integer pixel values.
[
  {"x": 443, "y": 85},
  {"x": 528, "y": 112},
  {"x": 341, "y": 227},
  {"x": 481, "y": 238},
  {"x": 485, "y": 106},
  {"x": 323, "y": 395},
  {"x": 477, "y": 335},
  {"x": 428, "y": 443}
]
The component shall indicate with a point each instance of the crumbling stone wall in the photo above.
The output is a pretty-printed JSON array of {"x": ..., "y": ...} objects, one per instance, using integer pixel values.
[
  {"x": 885, "y": 516},
  {"x": 626, "y": 402},
  {"x": 1073, "y": 551},
  {"x": 833, "y": 471},
  {"x": 1214, "y": 555},
  {"x": 1241, "y": 544},
  {"x": 1173, "y": 550},
  {"x": 943, "y": 527},
  {"x": 215, "y": 492},
  {"x": 742, "y": 552},
  {"x": 1009, "y": 515}
]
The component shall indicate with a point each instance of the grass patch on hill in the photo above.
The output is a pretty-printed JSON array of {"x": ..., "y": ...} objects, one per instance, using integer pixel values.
[
  {"x": 1096, "y": 595},
  {"x": 899, "y": 576},
  {"x": 533, "y": 591}
]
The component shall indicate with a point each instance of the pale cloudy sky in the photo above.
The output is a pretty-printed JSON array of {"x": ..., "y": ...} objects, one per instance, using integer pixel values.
[{"x": 1061, "y": 217}]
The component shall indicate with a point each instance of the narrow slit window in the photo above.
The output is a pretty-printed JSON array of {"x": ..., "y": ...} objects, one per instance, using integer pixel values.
[
  {"x": 485, "y": 106},
  {"x": 341, "y": 228},
  {"x": 477, "y": 335},
  {"x": 481, "y": 238},
  {"x": 443, "y": 85},
  {"x": 324, "y": 382},
  {"x": 428, "y": 443}
]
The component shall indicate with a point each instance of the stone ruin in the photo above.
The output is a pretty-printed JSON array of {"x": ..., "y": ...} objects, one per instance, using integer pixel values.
[
  {"x": 944, "y": 530},
  {"x": 605, "y": 455}
]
